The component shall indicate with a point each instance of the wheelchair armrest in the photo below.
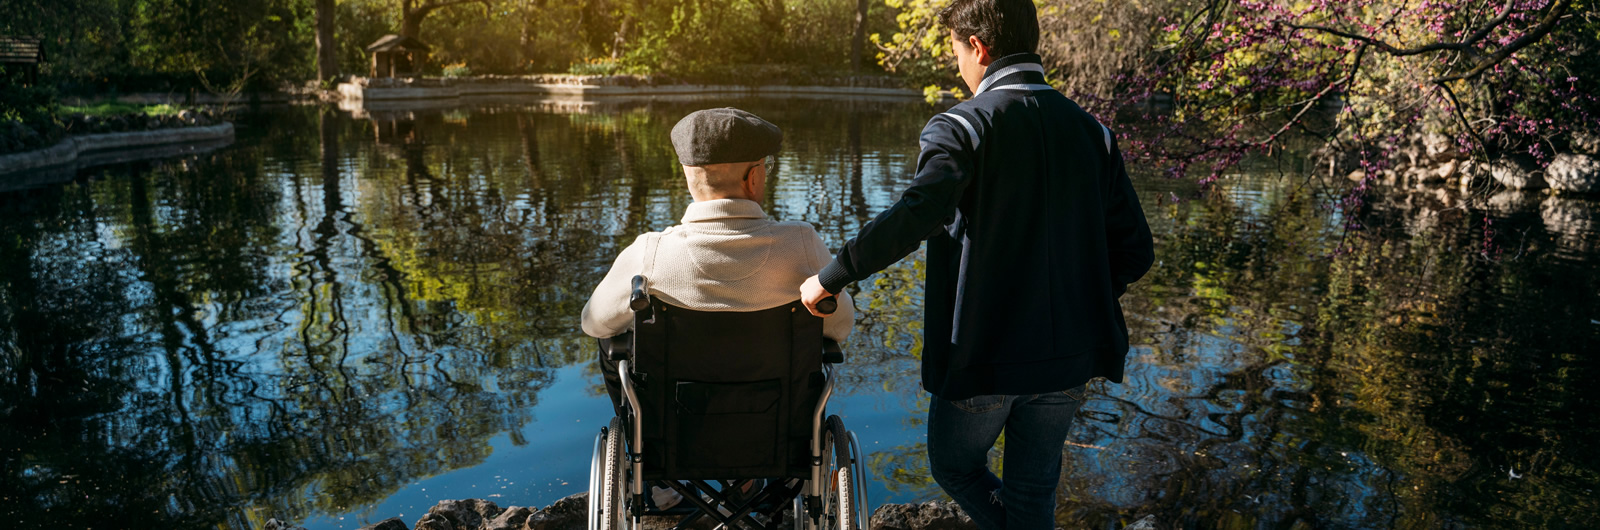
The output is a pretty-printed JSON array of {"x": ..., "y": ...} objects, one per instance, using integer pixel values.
[
  {"x": 831, "y": 352},
  {"x": 620, "y": 347}
]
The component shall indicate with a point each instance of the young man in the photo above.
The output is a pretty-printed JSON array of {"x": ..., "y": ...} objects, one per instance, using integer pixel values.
[{"x": 1034, "y": 232}]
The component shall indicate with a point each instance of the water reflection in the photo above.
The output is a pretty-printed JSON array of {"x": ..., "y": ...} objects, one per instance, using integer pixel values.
[{"x": 337, "y": 309}]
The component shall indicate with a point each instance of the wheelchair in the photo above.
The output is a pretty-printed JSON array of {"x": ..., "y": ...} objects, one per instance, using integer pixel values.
[{"x": 716, "y": 404}]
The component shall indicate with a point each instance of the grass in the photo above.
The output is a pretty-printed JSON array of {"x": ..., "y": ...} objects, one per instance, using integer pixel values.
[{"x": 117, "y": 107}]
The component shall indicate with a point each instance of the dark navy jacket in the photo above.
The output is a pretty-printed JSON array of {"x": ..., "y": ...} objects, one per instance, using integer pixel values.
[{"x": 1033, "y": 233}]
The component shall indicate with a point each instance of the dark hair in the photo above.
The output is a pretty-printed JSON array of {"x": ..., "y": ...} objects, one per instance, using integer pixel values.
[{"x": 1005, "y": 26}]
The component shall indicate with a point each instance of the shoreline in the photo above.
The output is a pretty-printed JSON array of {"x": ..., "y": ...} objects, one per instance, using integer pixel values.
[
  {"x": 76, "y": 152},
  {"x": 571, "y": 513},
  {"x": 382, "y": 94},
  {"x": 356, "y": 92}
]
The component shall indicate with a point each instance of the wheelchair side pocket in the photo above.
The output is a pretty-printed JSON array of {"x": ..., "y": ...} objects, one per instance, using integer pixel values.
[{"x": 728, "y": 424}]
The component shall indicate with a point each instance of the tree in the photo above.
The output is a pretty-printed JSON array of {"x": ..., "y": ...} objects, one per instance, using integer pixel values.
[
  {"x": 1245, "y": 76},
  {"x": 412, "y": 13},
  {"x": 858, "y": 41},
  {"x": 327, "y": 49}
]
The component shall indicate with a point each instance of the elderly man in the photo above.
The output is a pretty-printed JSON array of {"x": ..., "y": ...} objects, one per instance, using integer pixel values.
[{"x": 726, "y": 255}]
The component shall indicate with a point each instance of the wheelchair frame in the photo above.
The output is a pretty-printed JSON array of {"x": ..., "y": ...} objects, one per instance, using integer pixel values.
[{"x": 827, "y": 501}]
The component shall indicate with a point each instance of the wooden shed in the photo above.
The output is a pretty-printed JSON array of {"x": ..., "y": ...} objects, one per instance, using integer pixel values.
[
  {"x": 20, "y": 57},
  {"x": 397, "y": 56}
]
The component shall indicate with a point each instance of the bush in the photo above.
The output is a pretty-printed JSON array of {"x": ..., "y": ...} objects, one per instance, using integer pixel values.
[
  {"x": 457, "y": 70},
  {"x": 27, "y": 118},
  {"x": 598, "y": 66}
]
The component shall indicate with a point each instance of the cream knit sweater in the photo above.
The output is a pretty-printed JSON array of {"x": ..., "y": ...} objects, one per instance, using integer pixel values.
[{"x": 726, "y": 256}]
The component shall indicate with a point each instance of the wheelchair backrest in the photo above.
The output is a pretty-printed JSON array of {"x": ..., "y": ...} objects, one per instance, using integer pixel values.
[{"x": 726, "y": 395}]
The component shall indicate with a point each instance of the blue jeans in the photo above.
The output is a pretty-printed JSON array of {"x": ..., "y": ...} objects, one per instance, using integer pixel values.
[{"x": 960, "y": 434}]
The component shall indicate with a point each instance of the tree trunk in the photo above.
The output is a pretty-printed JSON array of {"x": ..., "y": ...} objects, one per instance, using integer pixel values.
[
  {"x": 772, "y": 23},
  {"x": 621, "y": 39},
  {"x": 525, "y": 36},
  {"x": 327, "y": 49},
  {"x": 411, "y": 24},
  {"x": 859, "y": 40}
]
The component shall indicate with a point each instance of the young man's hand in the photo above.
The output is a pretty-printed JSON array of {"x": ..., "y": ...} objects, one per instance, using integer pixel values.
[{"x": 812, "y": 292}]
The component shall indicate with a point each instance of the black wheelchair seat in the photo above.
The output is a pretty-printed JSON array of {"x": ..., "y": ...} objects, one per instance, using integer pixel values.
[{"x": 725, "y": 398}]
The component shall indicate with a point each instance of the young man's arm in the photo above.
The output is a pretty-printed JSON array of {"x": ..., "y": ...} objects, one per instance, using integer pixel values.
[
  {"x": 944, "y": 169},
  {"x": 607, "y": 314},
  {"x": 1131, "y": 248}
]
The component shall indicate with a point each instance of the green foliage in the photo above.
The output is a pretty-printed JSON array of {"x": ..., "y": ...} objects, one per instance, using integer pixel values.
[
  {"x": 457, "y": 70},
  {"x": 596, "y": 67},
  {"x": 111, "y": 108},
  {"x": 27, "y": 118},
  {"x": 166, "y": 45},
  {"x": 357, "y": 24},
  {"x": 682, "y": 38}
]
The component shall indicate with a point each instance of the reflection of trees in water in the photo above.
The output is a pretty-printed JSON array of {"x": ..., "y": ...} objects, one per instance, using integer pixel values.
[
  {"x": 179, "y": 349},
  {"x": 310, "y": 321},
  {"x": 1398, "y": 385}
]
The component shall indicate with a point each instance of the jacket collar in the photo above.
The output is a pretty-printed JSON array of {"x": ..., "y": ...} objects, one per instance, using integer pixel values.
[
  {"x": 716, "y": 209},
  {"x": 1014, "y": 69}
]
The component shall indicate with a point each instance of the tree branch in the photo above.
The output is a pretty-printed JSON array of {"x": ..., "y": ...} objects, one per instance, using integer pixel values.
[
  {"x": 1354, "y": 67},
  {"x": 1545, "y": 26},
  {"x": 435, "y": 5},
  {"x": 1455, "y": 104},
  {"x": 1466, "y": 45}
]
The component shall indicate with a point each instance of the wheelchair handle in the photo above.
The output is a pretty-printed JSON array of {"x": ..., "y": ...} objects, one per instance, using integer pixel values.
[
  {"x": 640, "y": 298},
  {"x": 828, "y": 305}
]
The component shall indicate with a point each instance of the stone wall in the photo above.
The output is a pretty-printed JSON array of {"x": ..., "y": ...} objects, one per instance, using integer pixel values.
[
  {"x": 70, "y": 150},
  {"x": 392, "y": 89}
]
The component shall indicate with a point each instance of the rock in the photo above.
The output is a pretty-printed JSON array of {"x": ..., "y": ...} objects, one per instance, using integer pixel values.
[
  {"x": 1518, "y": 172},
  {"x": 1586, "y": 142},
  {"x": 1440, "y": 148},
  {"x": 1148, "y": 522},
  {"x": 1357, "y": 175},
  {"x": 275, "y": 524},
  {"x": 926, "y": 516},
  {"x": 1472, "y": 173},
  {"x": 1419, "y": 176},
  {"x": 1447, "y": 171},
  {"x": 431, "y": 521},
  {"x": 469, "y": 514},
  {"x": 1574, "y": 172},
  {"x": 511, "y": 519},
  {"x": 392, "y": 523},
  {"x": 570, "y": 513}
]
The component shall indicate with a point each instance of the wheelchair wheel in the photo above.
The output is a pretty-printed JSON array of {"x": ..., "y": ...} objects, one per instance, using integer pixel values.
[
  {"x": 611, "y": 500},
  {"x": 597, "y": 482},
  {"x": 859, "y": 473},
  {"x": 843, "y": 505}
]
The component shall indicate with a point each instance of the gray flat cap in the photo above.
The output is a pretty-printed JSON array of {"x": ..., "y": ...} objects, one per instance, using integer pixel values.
[{"x": 724, "y": 136}]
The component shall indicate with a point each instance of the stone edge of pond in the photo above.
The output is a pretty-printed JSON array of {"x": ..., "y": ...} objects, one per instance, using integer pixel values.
[
  {"x": 571, "y": 513},
  {"x": 70, "y": 150},
  {"x": 352, "y": 92}
]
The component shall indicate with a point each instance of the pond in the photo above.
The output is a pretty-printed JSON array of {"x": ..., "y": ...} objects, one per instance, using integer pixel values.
[{"x": 341, "y": 319}]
